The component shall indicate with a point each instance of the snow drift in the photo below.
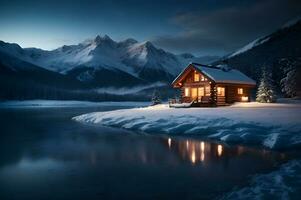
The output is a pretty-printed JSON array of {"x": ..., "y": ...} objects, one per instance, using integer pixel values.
[{"x": 274, "y": 126}]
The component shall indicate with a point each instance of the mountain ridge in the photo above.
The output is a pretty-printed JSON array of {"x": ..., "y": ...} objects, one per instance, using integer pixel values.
[{"x": 129, "y": 56}]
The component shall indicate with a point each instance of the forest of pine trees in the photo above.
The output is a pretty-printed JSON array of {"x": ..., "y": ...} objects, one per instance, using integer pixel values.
[{"x": 290, "y": 83}]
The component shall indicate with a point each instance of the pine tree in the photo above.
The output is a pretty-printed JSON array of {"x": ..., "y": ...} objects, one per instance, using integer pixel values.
[
  {"x": 291, "y": 69},
  {"x": 265, "y": 92},
  {"x": 156, "y": 98}
]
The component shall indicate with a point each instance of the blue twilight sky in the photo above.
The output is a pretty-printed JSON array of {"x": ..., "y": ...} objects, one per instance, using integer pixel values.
[{"x": 202, "y": 27}]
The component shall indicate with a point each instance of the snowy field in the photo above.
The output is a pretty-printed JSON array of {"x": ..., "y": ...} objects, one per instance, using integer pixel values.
[
  {"x": 61, "y": 103},
  {"x": 274, "y": 126}
]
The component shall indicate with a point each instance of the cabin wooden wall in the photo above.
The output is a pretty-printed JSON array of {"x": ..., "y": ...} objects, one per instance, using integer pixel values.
[
  {"x": 232, "y": 93},
  {"x": 188, "y": 81},
  {"x": 231, "y": 90}
]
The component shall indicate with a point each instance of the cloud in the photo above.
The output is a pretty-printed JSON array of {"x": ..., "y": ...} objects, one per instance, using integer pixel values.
[{"x": 227, "y": 28}]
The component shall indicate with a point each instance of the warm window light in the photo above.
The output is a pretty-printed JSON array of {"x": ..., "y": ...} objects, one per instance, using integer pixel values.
[
  {"x": 194, "y": 92},
  {"x": 202, "y": 146},
  {"x": 186, "y": 92},
  {"x": 240, "y": 91},
  {"x": 244, "y": 98},
  {"x": 201, "y": 91},
  {"x": 193, "y": 159},
  {"x": 180, "y": 84},
  {"x": 220, "y": 91},
  {"x": 169, "y": 142},
  {"x": 219, "y": 150},
  {"x": 187, "y": 145},
  {"x": 202, "y": 156},
  {"x": 196, "y": 77}
]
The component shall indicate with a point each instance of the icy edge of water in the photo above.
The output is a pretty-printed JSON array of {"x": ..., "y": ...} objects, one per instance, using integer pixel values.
[
  {"x": 283, "y": 183},
  {"x": 274, "y": 128}
]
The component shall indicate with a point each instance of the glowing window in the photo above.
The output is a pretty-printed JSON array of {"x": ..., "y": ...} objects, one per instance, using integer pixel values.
[
  {"x": 240, "y": 91},
  {"x": 201, "y": 92},
  {"x": 196, "y": 77},
  {"x": 194, "y": 92},
  {"x": 186, "y": 92},
  {"x": 207, "y": 90},
  {"x": 203, "y": 78},
  {"x": 244, "y": 98},
  {"x": 221, "y": 91}
]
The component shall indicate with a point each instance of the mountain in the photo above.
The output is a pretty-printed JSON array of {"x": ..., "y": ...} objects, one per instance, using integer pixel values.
[
  {"x": 95, "y": 63},
  {"x": 20, "y": 79},
  {"x": 267, "y": 52},
  {"x": 97, "y": 60},
  {"x": 99, "y": 64}
]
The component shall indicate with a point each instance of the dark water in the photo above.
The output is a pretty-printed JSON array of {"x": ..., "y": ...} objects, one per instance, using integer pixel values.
[{"x": 46, "y": 155}]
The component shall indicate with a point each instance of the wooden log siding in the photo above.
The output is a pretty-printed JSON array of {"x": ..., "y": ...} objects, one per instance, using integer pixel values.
[
  {"x": 220, "y": 100},
  {"x": 231, "y": 92},
  {"x": 186, "y": 80}
]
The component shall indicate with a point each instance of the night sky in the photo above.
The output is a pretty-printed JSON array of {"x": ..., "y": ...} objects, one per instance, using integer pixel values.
[{"x": 208, "y": 27}]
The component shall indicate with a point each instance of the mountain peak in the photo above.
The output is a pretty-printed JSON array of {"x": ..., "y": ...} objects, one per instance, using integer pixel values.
[
  {"x": 105, "y": 40},
  {"x": 148, "y": 44},
  {"x": 106, "y": 37},
  {"x": 98, "y": 39}
]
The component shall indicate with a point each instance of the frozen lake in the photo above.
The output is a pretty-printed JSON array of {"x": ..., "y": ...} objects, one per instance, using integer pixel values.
[{"x": 46, "y": 155}]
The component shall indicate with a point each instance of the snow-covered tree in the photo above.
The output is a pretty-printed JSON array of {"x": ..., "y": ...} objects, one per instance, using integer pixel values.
[
  {"x": 265, "y": 92},
  {"x": 156, "y": 99},
  {"x": 292, "y": 70}
]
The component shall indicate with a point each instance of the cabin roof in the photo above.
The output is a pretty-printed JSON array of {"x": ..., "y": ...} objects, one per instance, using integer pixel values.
[{"x": 220, "y": 75}]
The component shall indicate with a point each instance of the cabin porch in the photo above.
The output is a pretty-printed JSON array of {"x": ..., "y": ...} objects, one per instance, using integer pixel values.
[{"x": 185, "y": 102}]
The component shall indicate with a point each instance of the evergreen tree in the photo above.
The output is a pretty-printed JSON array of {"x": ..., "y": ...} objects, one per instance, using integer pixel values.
[
  {"x": 156, "y": 99},
  {"x": 291, "y": 69},
  {"x": 265, "y": 92}
]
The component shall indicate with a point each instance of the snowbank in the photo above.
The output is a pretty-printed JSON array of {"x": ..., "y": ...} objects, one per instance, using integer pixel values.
[
  {"x": 283, "y": 183},
  {"x": 60, "y": 103},
  {"x": 270, "y": 125}
]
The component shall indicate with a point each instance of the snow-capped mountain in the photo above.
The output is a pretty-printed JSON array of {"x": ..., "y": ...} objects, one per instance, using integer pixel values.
[
  {"x": 94, "y": 63},
  {"x": 102, "y": 53},
  {"x": 249, "y": 46},
  {"x": 267, "y": 52}
]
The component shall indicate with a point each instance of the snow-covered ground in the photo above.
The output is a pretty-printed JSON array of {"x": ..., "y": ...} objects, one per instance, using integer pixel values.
[
  {"x": 273, "y": 126},
  {"x": 61, "y": 103}
]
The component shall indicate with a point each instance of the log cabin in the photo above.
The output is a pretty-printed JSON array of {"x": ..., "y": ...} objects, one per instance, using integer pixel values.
[{"x": 204, "y": 85}]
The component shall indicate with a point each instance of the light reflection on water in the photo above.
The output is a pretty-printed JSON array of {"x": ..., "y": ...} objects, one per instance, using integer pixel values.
[
  {"x": 194, "y": 150},
  {"x": 197, "y": 151},
  {"x": 70, "y": 160}
]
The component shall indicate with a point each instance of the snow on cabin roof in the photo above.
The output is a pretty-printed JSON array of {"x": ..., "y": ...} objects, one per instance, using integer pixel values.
[
  {"x": 225, "y": 76},
  {"x": 220, "y": 75}
]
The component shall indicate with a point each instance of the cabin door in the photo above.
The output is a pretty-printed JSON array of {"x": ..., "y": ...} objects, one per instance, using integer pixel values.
[{"x": 194, "y": 93}]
